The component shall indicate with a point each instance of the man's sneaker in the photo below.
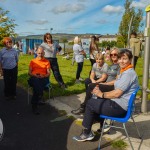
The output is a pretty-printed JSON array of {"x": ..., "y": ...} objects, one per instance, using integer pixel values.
[
  {"x": 84, "y": 137},
  {"x": 78, "y": 111}
]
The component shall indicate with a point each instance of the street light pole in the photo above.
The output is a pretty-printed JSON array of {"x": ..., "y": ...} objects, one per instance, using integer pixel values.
[{"x": 145, "y": 90}]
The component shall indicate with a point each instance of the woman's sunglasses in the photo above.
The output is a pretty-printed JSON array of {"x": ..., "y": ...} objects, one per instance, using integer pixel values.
[{"x": 113, "y": 54}]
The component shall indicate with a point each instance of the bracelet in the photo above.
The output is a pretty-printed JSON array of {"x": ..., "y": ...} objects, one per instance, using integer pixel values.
[{"x": 102, "y": 95}]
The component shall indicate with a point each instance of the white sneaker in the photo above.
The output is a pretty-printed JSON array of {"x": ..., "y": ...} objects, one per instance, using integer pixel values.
[
  {"x": 81, "y": 79},
  {"x": 77, "y": 81}
]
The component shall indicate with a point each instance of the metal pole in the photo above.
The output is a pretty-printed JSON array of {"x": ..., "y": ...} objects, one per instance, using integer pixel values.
[{"x": 146, "y": 61}]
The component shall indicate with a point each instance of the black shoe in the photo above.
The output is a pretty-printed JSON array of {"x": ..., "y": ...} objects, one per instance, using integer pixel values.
[
  {"x": 63, "y": 86},
  {"x": 78, "y": 111},
  {"x": 41, "y": 102},
  {"x": 35, "y": 110}
]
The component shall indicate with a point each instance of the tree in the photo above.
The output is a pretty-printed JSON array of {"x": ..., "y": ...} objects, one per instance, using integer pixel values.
[
  {"x": 7, "y": 25},
  {"x": 136, "y": 22}
]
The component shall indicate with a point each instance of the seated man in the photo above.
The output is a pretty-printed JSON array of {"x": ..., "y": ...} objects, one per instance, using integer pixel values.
[{"x": 39, "y": 71}]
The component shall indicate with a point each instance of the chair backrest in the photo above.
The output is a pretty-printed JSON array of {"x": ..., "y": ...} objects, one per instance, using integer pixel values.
[{"x": 131, "y": 103}]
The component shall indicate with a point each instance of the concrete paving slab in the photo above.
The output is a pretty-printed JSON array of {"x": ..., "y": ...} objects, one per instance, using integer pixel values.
[{"x": 69, "y": 103}]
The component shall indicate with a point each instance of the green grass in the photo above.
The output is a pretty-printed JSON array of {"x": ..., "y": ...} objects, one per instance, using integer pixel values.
[
  {"x": 119, "y": 145},
  {"x": 68, "y": 73}
]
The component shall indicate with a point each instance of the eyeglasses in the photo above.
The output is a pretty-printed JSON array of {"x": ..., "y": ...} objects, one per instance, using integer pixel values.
[
  {"x": 113, "y": 54},
  {"x": 8, "y": 42},
  {"x": 48, "y": 38}
]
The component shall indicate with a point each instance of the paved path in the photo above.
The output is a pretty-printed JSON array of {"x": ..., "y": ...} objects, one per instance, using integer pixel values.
[{"x": 52, "y": 131}]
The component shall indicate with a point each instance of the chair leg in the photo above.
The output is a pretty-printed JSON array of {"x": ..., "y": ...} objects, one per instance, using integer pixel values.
[
  {"x": 101, "y": 134},
  {"x": 136, "y": 128},
  {"x": 124, "y": 126}
]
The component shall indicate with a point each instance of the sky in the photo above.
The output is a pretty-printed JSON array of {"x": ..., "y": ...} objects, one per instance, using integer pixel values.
[{"x": 68, "y": 16}]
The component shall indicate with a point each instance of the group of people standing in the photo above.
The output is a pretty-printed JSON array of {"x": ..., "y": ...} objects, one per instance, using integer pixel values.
[
  {"x": 39, "y": 68},
  {"x": 101, "y": 73}
]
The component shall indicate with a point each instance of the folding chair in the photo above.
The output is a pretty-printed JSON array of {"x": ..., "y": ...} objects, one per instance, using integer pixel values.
[
  {"x": 48, "y": 86},
  {"x": 130, "y": 110}
]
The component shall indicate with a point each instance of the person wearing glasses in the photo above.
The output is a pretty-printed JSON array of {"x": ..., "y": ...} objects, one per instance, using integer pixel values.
[
  {"x": 39, "y": 71},
  {"x": 112, "y": 72},
  {"x": 51, "y": 49},
  {"x": 9, "y": 68},
  {"x": 113, "y": 103}
]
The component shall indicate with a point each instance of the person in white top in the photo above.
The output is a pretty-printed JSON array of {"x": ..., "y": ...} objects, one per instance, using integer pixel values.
[{"x": 79, "y": 55}]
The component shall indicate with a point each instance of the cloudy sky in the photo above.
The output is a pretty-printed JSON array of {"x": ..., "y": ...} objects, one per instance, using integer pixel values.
[{"x": 67, "y": 16}]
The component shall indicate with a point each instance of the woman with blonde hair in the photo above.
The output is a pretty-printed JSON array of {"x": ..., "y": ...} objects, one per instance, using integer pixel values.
[
  {"x": 79, "y": 55},
  {"x": 9, "y": 68},
  {"x": 112, "y": 72}
]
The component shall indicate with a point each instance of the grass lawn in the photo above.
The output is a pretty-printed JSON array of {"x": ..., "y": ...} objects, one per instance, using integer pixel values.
[{"x": 68, "y": 73}]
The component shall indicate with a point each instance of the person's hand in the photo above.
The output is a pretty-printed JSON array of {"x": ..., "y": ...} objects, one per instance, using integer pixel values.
[
  {"x": 93, "y": 81},
  {"x": 1, "y": 73},
  {"x": 97, "y": 91}
]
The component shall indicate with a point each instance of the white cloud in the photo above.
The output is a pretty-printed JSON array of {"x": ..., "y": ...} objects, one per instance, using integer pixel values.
[
  {"x": 140, "y": 4},
  {"x": 68, "y": 8},
  {"x": 26, "y": 33},
  {"x": 33, "y": 1},
  {"x": 102, "y": 21},
  {"x": 38, "y": 22},
  {"x": 112, "y": 9},
  {"x": 43, "y": 29}
]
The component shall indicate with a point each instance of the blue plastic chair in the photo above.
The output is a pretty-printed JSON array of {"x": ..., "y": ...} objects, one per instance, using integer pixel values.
[{"x": 130, "y": 110}]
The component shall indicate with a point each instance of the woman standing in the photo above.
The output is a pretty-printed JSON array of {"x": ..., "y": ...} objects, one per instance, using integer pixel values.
[
  {"x": 93, "y": 50},
  {"x": 8, "y": 65},
  {"x": 51, "y": 49},
  {"x": 79, "y": 57}
]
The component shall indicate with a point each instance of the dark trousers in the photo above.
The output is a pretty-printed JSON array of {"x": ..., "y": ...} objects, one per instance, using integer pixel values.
[
  {"x": 79, "y": 69},
  {"x": 10, "y": 81},
  {"x": 96, "y": 107},
  {"x": 135, "y": 60},
  {"x": 90, "y": 87},
  {"x": 38, "y": 85},
  {"x": 55, "y": 69},
  {"x": 92, "y": 62}
]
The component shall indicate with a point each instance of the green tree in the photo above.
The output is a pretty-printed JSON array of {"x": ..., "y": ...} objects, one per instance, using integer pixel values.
[
  {"x": 136, "y": 22},
  {"x": 7, "y": 25}
]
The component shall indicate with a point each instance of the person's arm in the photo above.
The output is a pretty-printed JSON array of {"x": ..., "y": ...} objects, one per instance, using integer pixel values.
[
  {"x": 102, "y": 79},
  {"x": 92, "y": 76},
  {"x": 30, "y": 73},
  {"x": 112, "y": 94},
  {"x": 109, "y": 83},
  {"x": 1, "y": 70}
]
